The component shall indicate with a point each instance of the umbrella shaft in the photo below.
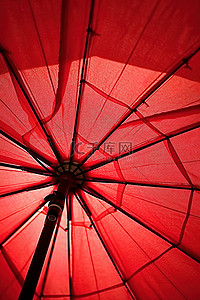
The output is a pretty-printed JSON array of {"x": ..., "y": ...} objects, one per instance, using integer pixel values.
[
  {"x": 56, "y": 204},
  {"x": 38, "y": 259}
]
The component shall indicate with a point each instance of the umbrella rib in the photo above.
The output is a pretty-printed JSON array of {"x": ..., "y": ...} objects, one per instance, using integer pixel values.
[
  {"x": 50, "y": 257},
  {"x": 20, "y": 82},
  {"x": 86, "y": 209},
  {"x": 68, "y": 205},
  {"x": 38, "y": 158},
  {"x": 145, "y": 253},
  {"x": 91, "y": 257},
  {"x": 29, "y": 188},
  {"x": 97, "y": 195},
  {"x": 141, "y": 100},
  {"x": 82, "y": 80},
  {"x": 150, "y": 144},
  {"x": 22, "y": 224},
  {"x": 27, "y": 169},
  {"x": 156, "y": 185}
]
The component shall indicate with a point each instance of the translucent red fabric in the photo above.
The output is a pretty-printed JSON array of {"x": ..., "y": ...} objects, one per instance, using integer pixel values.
[{"x": 110, "y": 90}]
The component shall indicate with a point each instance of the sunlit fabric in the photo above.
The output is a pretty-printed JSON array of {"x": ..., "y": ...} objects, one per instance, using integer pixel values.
[{"x": 109, "y": 92}]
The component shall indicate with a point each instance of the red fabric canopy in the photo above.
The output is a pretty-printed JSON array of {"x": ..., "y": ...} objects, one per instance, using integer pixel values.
[{"x": 108, "y": 90}]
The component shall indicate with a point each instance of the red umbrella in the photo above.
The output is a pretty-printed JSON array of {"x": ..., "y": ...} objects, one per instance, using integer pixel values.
[{"x": 99, "y": 115}]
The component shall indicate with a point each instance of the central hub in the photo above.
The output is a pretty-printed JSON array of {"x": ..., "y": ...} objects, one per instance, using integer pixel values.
[{"x": 72, "y": 173}]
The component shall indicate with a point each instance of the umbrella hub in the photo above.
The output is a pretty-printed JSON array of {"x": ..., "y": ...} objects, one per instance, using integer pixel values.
[{"x": 72, "y": 174}]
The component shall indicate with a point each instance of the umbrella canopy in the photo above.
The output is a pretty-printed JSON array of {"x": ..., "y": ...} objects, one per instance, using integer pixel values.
[{"x": 108, "y": 93}]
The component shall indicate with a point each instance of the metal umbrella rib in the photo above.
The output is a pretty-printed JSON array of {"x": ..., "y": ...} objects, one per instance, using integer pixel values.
[
  {"x": 140, "y": 148},
  {"x": 97, "y": 195},
  {"x": 19, "y": 80},
  {"x": 143, "y": 98},
  {"x": 83, "y": 204}
]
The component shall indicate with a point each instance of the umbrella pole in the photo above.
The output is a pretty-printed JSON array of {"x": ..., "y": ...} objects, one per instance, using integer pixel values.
[{"x": 56, "y": 205}]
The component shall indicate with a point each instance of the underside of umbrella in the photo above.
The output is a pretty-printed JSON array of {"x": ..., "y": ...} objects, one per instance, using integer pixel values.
[{"x": 99, "y": 136}]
